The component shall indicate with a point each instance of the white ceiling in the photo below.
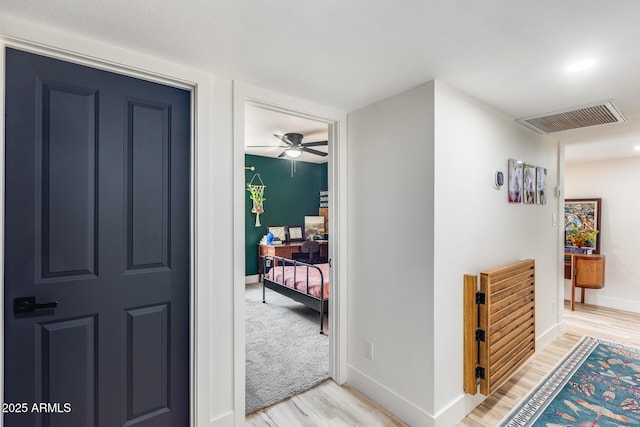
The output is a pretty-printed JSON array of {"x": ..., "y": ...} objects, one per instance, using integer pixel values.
[
  {"x": 261, "y": 124},
  {"x": 510, "y": 55}
]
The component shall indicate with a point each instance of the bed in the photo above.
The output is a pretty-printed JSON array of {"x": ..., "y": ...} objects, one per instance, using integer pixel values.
[{"x": 302, "y": 282}]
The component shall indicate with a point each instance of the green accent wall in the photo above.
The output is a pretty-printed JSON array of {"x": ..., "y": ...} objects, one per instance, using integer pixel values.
[{"x": 288, "y": 198}]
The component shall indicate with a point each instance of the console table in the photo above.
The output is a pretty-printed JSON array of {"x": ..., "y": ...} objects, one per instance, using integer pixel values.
[
  {"x": 568, "y": 258},
  {"x": 285, "y": 250},
  {"x": 585, "y": 272}
]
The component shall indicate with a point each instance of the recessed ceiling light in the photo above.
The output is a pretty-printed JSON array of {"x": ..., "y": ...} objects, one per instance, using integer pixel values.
[
  {"x": 637, "y": 148},
  {"x": 582, "y": 65}
]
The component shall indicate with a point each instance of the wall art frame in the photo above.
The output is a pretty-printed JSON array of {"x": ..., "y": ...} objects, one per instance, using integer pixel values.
[
  {"x": 541, "y": 185},
  {"x": 515, "y": 180},
  {"x": 583, "y": 214},
  {"x": 296, "y": 233},
  {"x": 529, "y": 184},
  {"x": 279, "y": 232}
]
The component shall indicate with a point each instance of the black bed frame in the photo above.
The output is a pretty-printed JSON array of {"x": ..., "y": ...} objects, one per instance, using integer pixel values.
[{"x": 318, "y": 304}]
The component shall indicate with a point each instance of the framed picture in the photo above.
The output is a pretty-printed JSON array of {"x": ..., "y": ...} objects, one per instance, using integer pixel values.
[
  {"x": 279, "y": 232},
  {"x": 582, "y": 223},
  {"x": 529, "y": 180},
  {"x": 314, "y": 227},
  {"x": 541, "y": 185},
  {"x": 295, "y": 233},
  {"x": 515, "y": 181}
]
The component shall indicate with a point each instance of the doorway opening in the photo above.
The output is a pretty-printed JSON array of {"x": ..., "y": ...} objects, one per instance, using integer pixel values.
[
  {"x": 286, "y": 212},
  {"x": 328, "y": 122}
]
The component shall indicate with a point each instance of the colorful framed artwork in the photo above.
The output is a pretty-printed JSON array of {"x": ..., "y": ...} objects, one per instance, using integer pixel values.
[
  {"x": 529, "y": 184},
  {"x": 582, "y": 218},
  {"x": 515, "y": 181},
  {"x": 279, "y": 232},
  {"x": 314, "y": 228},
  {"x": 541, "y": 185},
  {"x": 295, "y": 233}
]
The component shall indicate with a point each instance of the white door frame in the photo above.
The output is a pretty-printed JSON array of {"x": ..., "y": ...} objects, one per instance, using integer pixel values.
[
  {"x": 244, "y": 94},
  {"x": 53, "y": 52}
]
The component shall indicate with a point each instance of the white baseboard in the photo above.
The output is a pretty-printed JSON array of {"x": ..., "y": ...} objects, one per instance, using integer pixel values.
[
  {"x": 251, "y": 279},
  {"x": 224, "y": 420},
  {"x": 458, "y": 409},
  {"x": 407, "y": 411},
  {"x": 548, "y": 336},
  {"x": 388, "y": 399},
  {"x": 606, "y": 301},
  {"x": 416, "y": 416}
]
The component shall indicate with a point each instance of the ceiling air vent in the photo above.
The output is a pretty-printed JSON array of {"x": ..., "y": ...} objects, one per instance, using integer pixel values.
[{"x": 574, "y": 118}]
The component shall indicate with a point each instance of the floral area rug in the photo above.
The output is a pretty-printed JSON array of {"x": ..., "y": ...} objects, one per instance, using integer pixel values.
[{"x": 597, "y": 384}]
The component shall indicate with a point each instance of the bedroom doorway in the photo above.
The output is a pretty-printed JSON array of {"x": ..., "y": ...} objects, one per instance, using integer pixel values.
[
  {"x": 286, "y": 164},
  {"x": 317, "y": 136}
]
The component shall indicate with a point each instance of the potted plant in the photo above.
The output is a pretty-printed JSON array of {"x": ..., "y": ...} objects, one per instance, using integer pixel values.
[
  {"x": 257, "y": 197},
  {"x": 581, "y": 237}
]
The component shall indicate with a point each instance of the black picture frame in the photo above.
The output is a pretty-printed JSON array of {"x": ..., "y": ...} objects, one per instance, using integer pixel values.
[{"x": 296, "y": 233}]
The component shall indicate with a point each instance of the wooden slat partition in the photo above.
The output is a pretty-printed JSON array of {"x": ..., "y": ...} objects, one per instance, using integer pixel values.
[
  {"x": 507, "y": 318},
  {"x": 470, "y": 325}
]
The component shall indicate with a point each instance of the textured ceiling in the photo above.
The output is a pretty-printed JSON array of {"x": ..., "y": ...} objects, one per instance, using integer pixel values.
[
  {"x": 510, "y": 55},
  {"x": 262, "y": 124}
]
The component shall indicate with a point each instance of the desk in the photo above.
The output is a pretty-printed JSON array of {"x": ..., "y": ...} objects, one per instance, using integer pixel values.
[{"x": 285, "y": 250}]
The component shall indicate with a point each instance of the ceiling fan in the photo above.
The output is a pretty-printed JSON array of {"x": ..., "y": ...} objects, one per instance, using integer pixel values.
[{"x": 294, "y": 145}]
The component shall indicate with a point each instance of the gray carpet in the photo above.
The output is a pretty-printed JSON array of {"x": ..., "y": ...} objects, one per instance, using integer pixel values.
[{"x": 286, "y": 354}]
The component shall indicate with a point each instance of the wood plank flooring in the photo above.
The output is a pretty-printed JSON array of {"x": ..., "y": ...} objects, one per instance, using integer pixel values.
[
  {"x": 325, "y": 405},
  {"x": 331, "y": 405},
  {"x": 605, "y": 323}
]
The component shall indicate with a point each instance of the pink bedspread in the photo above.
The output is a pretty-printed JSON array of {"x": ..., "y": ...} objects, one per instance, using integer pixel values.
[{"x": 300, "y": 272}]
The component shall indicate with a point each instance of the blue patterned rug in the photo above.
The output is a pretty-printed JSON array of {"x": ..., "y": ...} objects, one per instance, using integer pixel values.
[{"x": 597, "y": 384}]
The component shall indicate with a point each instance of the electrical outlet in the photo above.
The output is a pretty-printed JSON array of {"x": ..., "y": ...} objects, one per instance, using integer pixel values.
[
  {"x": 554, "y": 219},
  {"x": 553, "y": 307},
  {"x": 368, "y": 350}
]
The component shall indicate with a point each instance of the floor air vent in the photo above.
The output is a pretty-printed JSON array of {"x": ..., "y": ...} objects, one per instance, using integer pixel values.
[{"x": 574, "y": 118}]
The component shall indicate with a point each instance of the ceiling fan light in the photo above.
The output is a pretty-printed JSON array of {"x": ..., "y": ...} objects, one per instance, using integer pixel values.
[{"x": 293, "y": 152}]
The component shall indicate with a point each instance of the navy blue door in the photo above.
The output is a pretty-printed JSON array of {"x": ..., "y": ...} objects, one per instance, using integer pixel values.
[{"x": 97, "y": 221}]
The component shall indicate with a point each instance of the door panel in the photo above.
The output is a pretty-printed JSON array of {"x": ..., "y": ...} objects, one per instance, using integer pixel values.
[
  {"x": 97, "y": 220},
  {"x": 148, "y": 185},
  {"x": 67, "y": 369},
  {"x": 68, "y": 145},
  {"x": 148, "y": 356}
]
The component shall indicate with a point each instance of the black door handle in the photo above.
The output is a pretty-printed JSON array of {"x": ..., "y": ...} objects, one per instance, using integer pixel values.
[{"x": 28, "y": 304}]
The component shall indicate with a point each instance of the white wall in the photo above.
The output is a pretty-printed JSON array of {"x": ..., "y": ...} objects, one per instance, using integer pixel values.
[
  {"x": 477, "y": 229},
  {"x": 423, "y": 212},
  {"x": 616, "y": 182},
  {"x": 390, "y": 232}
]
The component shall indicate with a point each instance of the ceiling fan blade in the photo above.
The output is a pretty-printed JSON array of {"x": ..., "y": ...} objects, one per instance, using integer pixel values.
[
  {"x": 283, "y": 139},
  {"x": 265, "y": 146},
  {"x": 316, "y": 152},
  {"x": 315, "y": 143}
]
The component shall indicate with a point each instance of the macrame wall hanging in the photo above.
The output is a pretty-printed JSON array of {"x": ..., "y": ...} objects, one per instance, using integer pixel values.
[{"x": 257, "y": 197}]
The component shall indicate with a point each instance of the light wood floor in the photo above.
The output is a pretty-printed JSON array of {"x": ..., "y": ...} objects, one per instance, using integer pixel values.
[
  {"x": 614, "y": 325},
  {"x": 333, "y": 405},
  {"x": 325, "y": 405}
]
